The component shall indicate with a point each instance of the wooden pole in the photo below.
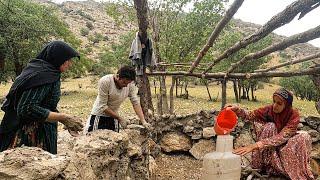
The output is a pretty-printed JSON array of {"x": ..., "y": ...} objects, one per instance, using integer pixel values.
[
  {"x": 284, "y": 17},
  {"x": 295, "y": 39},
  {"x": 222, "y": 23}
]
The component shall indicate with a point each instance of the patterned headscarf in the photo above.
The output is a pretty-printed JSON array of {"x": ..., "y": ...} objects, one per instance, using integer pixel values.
[
  {"x": 285, "y": 95},
  {"x": 288, "y": 117}
]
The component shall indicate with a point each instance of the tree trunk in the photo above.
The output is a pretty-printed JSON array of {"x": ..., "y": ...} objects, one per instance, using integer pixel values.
[
  {"x": 244, "y": 93},
  {"x": 224, "y": 93},
  {"x": 17, "y": 67},
  {"x": 155, "y": 86},
  {"x": 177, "y": 82},
  {"x": 1, "y": 63},
  {"x": 143, "y": 81},
  {"x": 247, "y": 91},
  {"x": 206, "y": 83},
  {"x": 239, "y": 88},
  {"x": 252, "y": 93},
  {"x": 163, "y": 95},
  {"x": 171, "y": 95},
  {"x": 235, "y": 90},
  {"x": 186, "y": 89},
  {"x": 316, "y": 80}
]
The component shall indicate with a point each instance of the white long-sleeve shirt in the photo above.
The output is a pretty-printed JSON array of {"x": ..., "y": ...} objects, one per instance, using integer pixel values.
[{"x": 110, "y": 96}]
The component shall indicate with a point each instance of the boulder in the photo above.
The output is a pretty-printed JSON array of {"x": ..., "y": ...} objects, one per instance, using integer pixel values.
[
  {"x": 208, "y": 132},
  {"x": 31, "y": 163},
  {"x": 202, "y": 147},
  {"x": 172, "y": 142}
]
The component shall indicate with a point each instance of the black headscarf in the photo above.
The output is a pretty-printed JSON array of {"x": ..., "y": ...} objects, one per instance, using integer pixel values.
[{"x": 43, "y": 70}]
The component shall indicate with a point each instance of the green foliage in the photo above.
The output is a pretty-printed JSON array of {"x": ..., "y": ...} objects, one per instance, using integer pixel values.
[
  {"x": 25, "y": 28},
  {"x": 302, "y": 86},
  {"x": 84, "y": 31},
  {"x": 84, "y": 15},
  {"x": 89, "y": 25},
  {"x": 182, "y": 34},
  {"x": 96, "y": 38},
  {"x": 79, "y": 67},
  {"x": 121, "y": 11},
  {"x": 116, "y": 56}
]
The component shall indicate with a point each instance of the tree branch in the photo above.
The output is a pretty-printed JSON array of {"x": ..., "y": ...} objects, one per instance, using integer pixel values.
[
  {"x": 290, "y": 63},
  {"x": 222, "y": 23},
  {"x": 275, "y": 22},
  {"x": 295, "y": 39},
  {"x": 308, "y": 71}
]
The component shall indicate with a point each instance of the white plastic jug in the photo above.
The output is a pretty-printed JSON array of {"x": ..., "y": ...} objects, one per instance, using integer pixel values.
[{"x": 222, "y": 164}]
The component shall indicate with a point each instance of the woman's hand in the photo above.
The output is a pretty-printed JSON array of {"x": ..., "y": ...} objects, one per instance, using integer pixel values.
[
  {"x": 232, "y": 107},
  {"x": 245, "y": 150},
  {"x": 72, "y": 123}
]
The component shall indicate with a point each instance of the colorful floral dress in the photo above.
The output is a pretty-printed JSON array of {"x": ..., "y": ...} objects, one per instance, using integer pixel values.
[{"x": 282, "y": 149}]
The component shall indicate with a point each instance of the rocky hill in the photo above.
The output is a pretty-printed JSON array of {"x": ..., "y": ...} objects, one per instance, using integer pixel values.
[{"x": 97, "y": 31}]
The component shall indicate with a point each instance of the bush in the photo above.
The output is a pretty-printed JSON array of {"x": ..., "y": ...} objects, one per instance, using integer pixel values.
[
  {"x": 96, "y": 38},
  {"x": 89, "y": 25},
  {"x": 303, "y": 87},
  {"x": 84, "y": 32}
]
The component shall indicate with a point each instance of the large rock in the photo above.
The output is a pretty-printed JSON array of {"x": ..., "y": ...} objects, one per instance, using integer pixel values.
[
  {"x": 202, "y": 147},
  {"x": 208, "y": 132},
  {"x": 31, "y": 163},
  {"x": 313, "y": 121},
  {"x": 172, "y": 142},
  {"x": 102, "y": 154}
]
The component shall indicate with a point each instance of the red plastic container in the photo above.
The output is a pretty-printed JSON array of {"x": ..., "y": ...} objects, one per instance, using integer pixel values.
[{"x": 225, "y": 122}]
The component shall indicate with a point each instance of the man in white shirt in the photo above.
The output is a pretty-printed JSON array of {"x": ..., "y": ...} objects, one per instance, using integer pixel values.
[{"x": 113, "y": 89}]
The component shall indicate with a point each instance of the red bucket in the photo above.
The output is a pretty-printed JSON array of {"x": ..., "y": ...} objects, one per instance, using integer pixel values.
[{"x": 225, "y": 122}]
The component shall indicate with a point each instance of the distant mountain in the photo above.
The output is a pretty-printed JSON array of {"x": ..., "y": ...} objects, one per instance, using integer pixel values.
[{"x": 89, "y": 21}]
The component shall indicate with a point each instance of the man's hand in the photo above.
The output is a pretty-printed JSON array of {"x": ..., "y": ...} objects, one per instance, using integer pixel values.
[
  {"x": 245, "y": 150},
  {"x": 148, "y": 126},
  {"x": 123, "y": 123}
]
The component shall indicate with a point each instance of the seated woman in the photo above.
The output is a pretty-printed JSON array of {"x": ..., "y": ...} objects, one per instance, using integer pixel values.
[
  {"x": 280, "y": 149},
  {"x": 30, "y": 107}
]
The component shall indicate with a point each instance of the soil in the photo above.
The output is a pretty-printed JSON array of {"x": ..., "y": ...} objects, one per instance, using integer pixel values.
[{"x": 178, "y": 167}]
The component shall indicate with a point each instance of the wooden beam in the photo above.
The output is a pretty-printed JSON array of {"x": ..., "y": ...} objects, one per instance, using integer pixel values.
[
  {"x": 308, "y": 71},
  {"x": 221, "y": 24},
  {"x": 284, "y": 17},
  {"x": 304, "y": 59},
  {"x": 295, "y": 39}
]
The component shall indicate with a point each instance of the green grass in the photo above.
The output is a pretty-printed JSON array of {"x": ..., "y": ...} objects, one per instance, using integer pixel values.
[{"x": 78, "y": 101}]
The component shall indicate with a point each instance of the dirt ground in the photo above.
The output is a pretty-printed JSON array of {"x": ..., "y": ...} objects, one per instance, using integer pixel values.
[
  {"x": 185, "y": 167},
  {"x": 178, "y": 167}
]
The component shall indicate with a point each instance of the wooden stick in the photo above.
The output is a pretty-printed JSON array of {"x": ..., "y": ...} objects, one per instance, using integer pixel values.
[
  {"x": 307, "y": 58},
  {"x": 222, "y": 23},
  {"x": 308, "y": 71},
  {"x": 295, "y": 39},
  {"x": 275, "y": 22}
]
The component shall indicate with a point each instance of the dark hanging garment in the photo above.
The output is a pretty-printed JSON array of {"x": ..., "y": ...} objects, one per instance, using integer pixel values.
[{"x": 141, "y": 57}]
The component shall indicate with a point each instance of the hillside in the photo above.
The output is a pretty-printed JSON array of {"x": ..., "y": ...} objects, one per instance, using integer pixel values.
[{"x": 92, "y": 16}]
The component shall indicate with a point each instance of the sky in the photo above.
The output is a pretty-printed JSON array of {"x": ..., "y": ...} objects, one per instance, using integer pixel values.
[{"x": 260, "y": 11}]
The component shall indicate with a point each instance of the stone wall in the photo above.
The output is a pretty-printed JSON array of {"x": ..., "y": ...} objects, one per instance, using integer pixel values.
[
  {"x": 131, "y": 153},
  {"x": 100, "y": 155},
  {"x": 194, "y": 134}
]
